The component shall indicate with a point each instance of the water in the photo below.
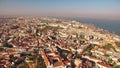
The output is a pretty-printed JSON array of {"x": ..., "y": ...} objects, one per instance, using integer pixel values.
[{"x": 112, "y": 26}]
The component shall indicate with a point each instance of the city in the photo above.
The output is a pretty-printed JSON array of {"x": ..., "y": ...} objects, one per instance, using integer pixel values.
[{"x": 37, "y": 42}]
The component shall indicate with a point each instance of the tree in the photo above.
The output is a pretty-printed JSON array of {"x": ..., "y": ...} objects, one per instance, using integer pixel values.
[
  {"x": 14, "y": 27},
  {"x": 108, "y": 47},
  {"x": 119, "y": 59},
  {"x": 7, "y": 45},
  {"x": 117, "y": 66},
  {"x": 117, "y": 43}
]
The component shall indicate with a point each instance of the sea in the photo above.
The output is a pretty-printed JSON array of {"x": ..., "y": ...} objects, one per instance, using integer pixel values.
[{"x": 113, "y": 26}]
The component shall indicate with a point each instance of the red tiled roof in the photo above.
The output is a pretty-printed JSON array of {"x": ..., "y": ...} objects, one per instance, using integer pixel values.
[
  {"x": 58, "y": 64},
  {"x": 45, "y": 58},
  {"x": 66, "y": 61},
  {"x": 104, "y": 64},
  {"x": 95, "y": 48}
]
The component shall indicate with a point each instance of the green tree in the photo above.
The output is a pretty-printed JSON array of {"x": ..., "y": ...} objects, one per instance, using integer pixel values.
[{"x": 7, "y": 45}]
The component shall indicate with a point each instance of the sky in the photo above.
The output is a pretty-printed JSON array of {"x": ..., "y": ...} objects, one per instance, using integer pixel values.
[{"x": 109, "y": 9}]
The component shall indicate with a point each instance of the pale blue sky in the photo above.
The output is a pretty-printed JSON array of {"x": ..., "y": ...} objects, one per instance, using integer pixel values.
[{"x": 68, "y": 8}]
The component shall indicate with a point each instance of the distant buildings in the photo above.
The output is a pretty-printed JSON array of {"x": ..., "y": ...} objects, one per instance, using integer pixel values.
[{"x": 54, "y": 43}]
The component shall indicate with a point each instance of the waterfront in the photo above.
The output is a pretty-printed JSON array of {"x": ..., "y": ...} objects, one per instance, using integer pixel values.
[{"x": 110, "y": 25}]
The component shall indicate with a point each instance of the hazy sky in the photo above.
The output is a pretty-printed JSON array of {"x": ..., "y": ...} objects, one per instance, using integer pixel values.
[{"x": 67, "y": 8}]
